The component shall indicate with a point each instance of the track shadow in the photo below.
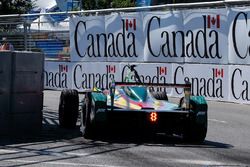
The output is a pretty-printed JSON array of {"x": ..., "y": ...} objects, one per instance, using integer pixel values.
[
  {"x": 160, "y": 140},
  {"x": 50, "y": 131},
  {"x": 68, "y": 141}
]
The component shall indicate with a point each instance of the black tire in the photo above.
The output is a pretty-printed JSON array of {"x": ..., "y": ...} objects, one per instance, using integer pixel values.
[
  {"x": 83, "y": 117},
  {"x": 68, "y": 108},
  {"x": 160, "y": 95},
  {"x": 87, "y": 117},
  {"x": 195, "y": 132}
]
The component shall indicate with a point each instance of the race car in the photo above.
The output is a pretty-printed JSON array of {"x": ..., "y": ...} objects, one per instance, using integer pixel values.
[{"x": 136, "y": 106}]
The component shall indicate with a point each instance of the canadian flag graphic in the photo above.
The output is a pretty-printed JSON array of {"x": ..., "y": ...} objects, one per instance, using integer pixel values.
[
  {"x": 63, "y": 68},
  {"x": 213, "y": 21},
  {"x": 219, "y": 73},
  {"x": 130, "y": 24},
  {"x": 111, "y": 69},
  {"x": 162, "y": 70}
]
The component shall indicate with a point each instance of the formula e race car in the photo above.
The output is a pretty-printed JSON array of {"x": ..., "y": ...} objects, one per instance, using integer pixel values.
[{"x": 136, "y": 106}]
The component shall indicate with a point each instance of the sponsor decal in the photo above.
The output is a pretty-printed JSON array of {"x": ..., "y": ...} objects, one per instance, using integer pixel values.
[
  {"x": 213, "y": 21},
  {"x": 111, "y": 68},
  {"x": 162, "y": 70},
  {"x": 218, "y": 73},
  {"x": 130, "y": 24},
  {"x": 63, "y": 68}
]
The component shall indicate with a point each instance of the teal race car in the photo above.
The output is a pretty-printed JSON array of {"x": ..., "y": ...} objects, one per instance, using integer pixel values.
[{"x": 135, "y": 106}]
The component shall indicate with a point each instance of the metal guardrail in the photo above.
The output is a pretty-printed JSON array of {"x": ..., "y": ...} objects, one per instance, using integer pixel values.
[{"x": 49, "y": 32}]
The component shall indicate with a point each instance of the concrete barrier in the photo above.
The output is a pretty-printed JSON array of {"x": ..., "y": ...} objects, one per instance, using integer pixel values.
[{"x": 21, "y": 92}]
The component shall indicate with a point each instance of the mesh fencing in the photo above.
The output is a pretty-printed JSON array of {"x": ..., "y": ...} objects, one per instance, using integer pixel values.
[{"x": 40, "y": 33}]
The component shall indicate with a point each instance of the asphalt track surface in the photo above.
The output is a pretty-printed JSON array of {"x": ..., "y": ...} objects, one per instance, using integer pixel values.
[{"x": 227, "y": 144}]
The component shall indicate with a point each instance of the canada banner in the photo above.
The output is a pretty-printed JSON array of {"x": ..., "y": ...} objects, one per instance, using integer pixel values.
[
  {"x": 90, "y": 75},
  {"x": 87, "y": 76},
  {"x": 169, "y": 36},
  {"x": 210, "y": 81},
  {"x": 239, "y": 84},
  {"x": 214, "y": 82},
  {"x": 82, "y": 76},
  {"x": 124, "y": 37},
  {"x": 206, "y": 36},
  {"x": 209, "y": 48},
  {"x": 57, "y": 75},
  {"x": 239, "y": 36},
  {"x": 210, "y": 36},
  {"x": 164, "y": 41},
  {"x": 87, "y": 41}
]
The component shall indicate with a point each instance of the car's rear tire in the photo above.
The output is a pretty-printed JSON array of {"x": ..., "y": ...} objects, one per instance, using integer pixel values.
[
  {"x": 68, "y": 108},
  {"x": 160, "y": 95},
  {"x": 87, "y": 121},
  {"x": 195, "y": 131}
]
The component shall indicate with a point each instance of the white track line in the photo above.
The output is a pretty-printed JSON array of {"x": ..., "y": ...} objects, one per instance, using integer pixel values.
[
  {"x": 53, "y": 153},
  {"x": 7, "y": 151},
  {"x": 201, "y": 162},
  {"x": 220, "y": 121},
  {"x": 178, "y": 161},
  {"x": 57, "y": 163}
]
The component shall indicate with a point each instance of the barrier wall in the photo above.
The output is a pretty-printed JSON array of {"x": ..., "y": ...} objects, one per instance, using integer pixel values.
[
  {"x": 211, "y": 36},
  {"x": 207, "y": 47},
  {"x": 21, "y": 92},
  {"x": 215, "y": 82}
]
